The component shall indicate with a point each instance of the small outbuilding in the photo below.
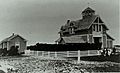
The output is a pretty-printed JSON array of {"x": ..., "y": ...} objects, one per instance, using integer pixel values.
[{"x": 14, "y": 40}]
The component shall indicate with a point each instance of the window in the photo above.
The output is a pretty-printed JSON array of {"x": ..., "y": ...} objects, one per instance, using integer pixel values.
[
  {"x": 71, "y": 30},
  {"x": 99, "y": 27},
  {"x": 93, "y": 27}
]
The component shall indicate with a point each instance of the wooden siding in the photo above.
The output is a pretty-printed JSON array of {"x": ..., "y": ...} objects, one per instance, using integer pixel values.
[
  {"x": 90, "y": 38},
  {"x": 104, "y": 41},
  {"x": 22, "y": 46}
]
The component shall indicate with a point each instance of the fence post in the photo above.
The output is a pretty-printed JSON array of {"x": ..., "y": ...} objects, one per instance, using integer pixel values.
[
  {"x": 67, "y": 53},
  {"x": 37, "y": 53},
  {"x": 78, "y": 56},
  {"x": 42, "y": 53},
  {"x": 98, "y": 52},
  {"x": 88, "y": 52},
  {"x": 55, "y": 54},
  {"x": 48, "y": 53}
]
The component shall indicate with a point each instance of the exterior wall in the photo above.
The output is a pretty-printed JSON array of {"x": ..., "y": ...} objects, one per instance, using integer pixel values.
[
  {"x": 90, "y": 38},
  {"x": 85, "y": 38},
  {"x": 104, "y": 41},
  {"x": 4, "y": 45},
  {"x": 8, "y": 46},
  {"x": 22, "y": 44},
  {"x": 109, "y": 43}
]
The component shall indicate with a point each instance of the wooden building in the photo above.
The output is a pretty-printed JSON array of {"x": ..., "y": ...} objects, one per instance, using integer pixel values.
[
  {"x": 90, "y": 29},
  {"x": 14, "y": 40}
]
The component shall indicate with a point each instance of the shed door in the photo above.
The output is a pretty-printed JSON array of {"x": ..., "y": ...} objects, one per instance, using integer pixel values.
[{"x": 17, "y": 44}]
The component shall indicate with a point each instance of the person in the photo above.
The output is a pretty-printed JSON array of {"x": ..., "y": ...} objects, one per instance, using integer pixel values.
[
  {"x": 104, "y": 52},
  {"x": 107, "y": 52},
  {"x": 114, "y": 51}
]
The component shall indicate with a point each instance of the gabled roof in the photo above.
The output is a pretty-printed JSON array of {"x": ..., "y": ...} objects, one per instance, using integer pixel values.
[
  {"x": 82, "y": 23},
  {"x": 72, "y": 39},
  {"x": 11, "y": 37},
  {"x": 86, "y": 22}
]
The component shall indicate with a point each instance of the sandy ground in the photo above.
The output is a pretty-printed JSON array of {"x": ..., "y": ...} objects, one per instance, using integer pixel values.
[{"x": 34, "y": 64}]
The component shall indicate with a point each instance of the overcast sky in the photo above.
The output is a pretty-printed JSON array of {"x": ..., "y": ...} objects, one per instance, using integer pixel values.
[{"x": 40, "y": 20}]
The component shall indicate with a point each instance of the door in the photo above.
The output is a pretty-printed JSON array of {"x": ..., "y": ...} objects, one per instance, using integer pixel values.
[
  {"x": 97, "y": 39},
  {"x": 17, "y": 44}
]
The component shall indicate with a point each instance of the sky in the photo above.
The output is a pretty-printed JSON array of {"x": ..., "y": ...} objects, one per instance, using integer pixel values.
[{"x": 40, "y": 20}]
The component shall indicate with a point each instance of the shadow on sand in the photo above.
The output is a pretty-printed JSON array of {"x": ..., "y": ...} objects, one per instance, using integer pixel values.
[{"x": 113, "y": 58}]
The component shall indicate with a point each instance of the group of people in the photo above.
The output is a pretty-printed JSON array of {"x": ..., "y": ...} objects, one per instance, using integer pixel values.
[{"x": 108, "y": 52}]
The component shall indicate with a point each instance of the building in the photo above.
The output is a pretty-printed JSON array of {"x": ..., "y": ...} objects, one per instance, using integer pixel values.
[
  {"x": 14, "y": 40},
  {"x": 90, "y": 29}
]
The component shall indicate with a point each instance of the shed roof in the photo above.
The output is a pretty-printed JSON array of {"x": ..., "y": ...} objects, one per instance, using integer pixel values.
[
  {"x": 108, "y": 36},
  {"x": 72, "y": 39},
  {"x": 11, "y": 37}
]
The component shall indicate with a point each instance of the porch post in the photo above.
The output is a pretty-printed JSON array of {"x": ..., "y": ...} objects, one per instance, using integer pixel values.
[{"x": 78, "y": 56}]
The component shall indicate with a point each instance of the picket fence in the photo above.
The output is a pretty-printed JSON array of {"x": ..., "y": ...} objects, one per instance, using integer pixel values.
[{"x": 62, "y": 53}]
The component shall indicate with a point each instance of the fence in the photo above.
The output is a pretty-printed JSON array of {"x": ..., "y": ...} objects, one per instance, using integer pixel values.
[{"x": 62, "y": 53}]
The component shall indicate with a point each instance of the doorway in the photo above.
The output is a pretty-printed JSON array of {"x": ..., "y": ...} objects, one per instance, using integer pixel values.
[{"x": 97, "y": 39}]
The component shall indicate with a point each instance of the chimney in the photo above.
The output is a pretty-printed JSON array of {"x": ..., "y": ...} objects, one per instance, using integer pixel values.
[{"x": 13, "y": 34}]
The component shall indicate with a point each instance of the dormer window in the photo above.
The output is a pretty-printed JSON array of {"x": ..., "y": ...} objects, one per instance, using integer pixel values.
[
  {"x": 71, "y": 30},
  {"x": 97, "y": 27}
]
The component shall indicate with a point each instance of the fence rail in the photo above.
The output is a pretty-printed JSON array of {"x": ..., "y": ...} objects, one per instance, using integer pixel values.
[{"x": 62, "y": 53}]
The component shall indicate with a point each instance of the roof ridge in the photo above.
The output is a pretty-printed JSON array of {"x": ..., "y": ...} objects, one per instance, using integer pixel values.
[{"x": 11, "y": 37}]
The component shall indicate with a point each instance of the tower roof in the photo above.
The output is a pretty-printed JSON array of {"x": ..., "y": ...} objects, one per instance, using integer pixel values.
[{"x": 88, "y": 9}]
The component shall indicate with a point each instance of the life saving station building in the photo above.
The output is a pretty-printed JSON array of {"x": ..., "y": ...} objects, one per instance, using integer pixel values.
[
  {"x": 90, "y": 29},
  {"x": 14, "y": 40}
]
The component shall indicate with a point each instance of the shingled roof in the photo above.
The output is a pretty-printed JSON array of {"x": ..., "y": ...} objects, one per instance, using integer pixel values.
[
  {"x": 85, "y": 23},
  {"x": 11, "y": 37},
  {"x": 72, "y": 39},
  {"x": 82, "y": 23}
]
